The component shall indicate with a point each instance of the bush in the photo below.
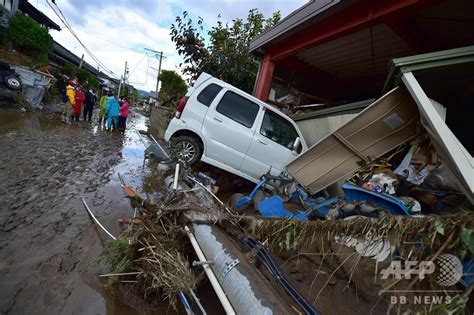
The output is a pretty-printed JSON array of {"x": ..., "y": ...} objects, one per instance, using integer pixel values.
[
  {"x": 81, "y": 74},
  {"x": 27, "y": 36}
]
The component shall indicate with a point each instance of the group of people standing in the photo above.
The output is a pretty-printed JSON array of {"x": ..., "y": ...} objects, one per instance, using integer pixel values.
[{"x": 113, "y": 113}]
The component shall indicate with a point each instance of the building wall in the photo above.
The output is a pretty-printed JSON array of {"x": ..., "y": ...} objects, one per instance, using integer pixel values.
[
  {"x": 159, "y": 120},
  {"x": 316, "y": 129}
]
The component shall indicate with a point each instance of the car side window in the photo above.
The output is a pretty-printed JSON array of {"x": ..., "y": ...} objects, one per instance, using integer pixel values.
[
  {"x": 278, "y": 129},
  {"x": 208, "y": 94},
  {"x": 238, "y": 108}
]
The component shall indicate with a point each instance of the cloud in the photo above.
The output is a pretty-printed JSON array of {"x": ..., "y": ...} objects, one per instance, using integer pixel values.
[
  {"x": 118, "y": 30},
  {"x": 231, "y": 9}
]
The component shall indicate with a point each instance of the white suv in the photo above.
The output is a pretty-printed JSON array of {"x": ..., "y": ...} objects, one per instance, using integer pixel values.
[{"x": 232, "y": 130}]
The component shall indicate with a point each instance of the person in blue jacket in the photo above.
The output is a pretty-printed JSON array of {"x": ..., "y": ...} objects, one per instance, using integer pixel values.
[{"x": 112, "y": 111}]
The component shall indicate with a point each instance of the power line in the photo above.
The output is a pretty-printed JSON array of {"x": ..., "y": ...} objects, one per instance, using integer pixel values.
[
  {"x": 63, "y": 19},
  {"x": 146, "y": 75},
  {"x": 138, "y": 63},
  {"x": 107, "y": 40},
  {"x": 69, "y": 27}
]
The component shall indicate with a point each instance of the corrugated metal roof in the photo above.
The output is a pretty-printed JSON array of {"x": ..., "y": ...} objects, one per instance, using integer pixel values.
[
  {"x": 292, "y": 21},
  {"x": 70, "y": 57},
  {"x": 37, "y": 15}
]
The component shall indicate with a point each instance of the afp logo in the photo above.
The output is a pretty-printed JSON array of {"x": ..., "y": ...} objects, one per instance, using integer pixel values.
[{"x": 447, "y": 269}]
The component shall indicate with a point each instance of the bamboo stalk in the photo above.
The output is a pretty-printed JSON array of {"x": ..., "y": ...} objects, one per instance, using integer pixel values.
[{"x": 121, "y": 274}]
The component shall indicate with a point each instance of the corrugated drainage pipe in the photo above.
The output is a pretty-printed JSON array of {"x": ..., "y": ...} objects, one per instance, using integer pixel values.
[
  {"x": 229, "y": 310},
  {"x": 246, "y": 288}
]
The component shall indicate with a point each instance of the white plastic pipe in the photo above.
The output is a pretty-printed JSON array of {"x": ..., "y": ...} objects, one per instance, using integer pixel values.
[
  {"x": 176, "y": 177},
  {"x": 229, "y": 310},
  {"x": 97, "y": 221}
]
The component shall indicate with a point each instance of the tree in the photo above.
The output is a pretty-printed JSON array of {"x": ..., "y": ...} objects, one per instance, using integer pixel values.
[
  {"x": 134, "y": 97},
  {"x": 226, "y": 55},
  {"x": 82, "y": 75},
  {"x": 29, "y": 37},
  {"x": 173, "y": 88}
]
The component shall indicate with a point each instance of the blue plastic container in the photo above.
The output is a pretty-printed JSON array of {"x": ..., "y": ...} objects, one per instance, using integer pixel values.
[{"x": 383, "y": 200}]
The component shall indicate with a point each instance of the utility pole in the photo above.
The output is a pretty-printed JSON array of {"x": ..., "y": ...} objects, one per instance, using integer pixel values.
[
  {"x": 158, "y": 76},
  {"x": 160, "y": 55},
  {"x": 124, "y": 76},
  {"x": 120, "y": 86},
  {"x": 82, "y": 61}
]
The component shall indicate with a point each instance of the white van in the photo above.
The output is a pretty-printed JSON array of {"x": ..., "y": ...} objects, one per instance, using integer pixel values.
[{"x": 225, "y": 127}]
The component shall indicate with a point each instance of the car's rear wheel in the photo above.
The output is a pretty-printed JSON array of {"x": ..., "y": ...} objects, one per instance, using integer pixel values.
[{"x": 186, "y": 149}]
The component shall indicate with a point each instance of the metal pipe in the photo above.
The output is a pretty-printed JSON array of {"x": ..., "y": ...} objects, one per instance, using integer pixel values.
[
  {"x": 141, "y": 138},
  {"x": 229, "y": 310},
  {"x": 209, "y": 191},
  {"x": 159, "y": 146},
  {"x": 176, "y": 177},
  {"x": 200, "y": 263}
]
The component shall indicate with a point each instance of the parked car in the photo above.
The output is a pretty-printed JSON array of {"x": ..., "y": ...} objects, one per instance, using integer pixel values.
[
  {"x": 9, "y": 78},
  {"x": 223, "y": 126}
]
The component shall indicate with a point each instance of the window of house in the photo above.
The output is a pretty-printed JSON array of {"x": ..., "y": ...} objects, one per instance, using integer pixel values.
[
  {"x": 238, "y": 108},
  {"x": 278, "y": 129},
  {"x": 208, "y": 94}
]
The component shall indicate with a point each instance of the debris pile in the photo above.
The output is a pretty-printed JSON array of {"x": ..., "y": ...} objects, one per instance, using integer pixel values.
[
  {"x": 401, "y": 204},
  {"x": 153, "y": 256},
  {"x": 412, "y": 180}
]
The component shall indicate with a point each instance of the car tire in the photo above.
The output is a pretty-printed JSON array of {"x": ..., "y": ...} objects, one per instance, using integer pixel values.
[
  {"x": 13, "y": 82},
  {"x": 186, "y": 149}
]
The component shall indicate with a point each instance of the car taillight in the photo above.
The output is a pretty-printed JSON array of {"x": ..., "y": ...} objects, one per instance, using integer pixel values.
[{"x": 181, "y": 106}]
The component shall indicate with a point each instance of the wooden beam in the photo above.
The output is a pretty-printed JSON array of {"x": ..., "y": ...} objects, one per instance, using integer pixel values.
[{"x": 264, "y": 79}]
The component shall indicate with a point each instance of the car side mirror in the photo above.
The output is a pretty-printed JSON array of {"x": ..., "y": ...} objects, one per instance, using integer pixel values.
[{"x": 296, "y": 144}]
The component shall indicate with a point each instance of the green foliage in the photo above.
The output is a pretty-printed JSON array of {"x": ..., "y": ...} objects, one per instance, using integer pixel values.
[
  {"x": 226, "y": 56},
  {"x": 173, "y": 88},
  {"x": 82, "y": 75},
  {"x": 29, "y": 37},
  {"x": 126, "y": 90},
  {"x": 135, "y": 96},
  {"x": 467, "y": 236},
  {"x": 117, "y": 255}
]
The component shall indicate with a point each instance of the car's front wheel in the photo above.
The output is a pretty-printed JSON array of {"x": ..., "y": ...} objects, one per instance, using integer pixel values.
[
  {"x": 186, "y": 149},
  {"x": 13, "y": 82}
]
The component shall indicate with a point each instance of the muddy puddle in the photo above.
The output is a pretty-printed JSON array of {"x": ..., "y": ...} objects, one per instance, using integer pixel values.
[{"x": 47, "y": 240}]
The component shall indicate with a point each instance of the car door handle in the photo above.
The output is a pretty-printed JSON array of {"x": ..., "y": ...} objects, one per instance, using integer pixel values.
[
  {"x": 218, "y": 119},
  {"x": 262, "y": 142}
]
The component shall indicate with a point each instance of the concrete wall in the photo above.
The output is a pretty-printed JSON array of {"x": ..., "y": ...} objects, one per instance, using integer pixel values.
[{"x": 159, "y": 119}]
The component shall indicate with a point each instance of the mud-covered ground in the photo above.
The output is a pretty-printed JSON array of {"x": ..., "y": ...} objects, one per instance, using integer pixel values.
[{"x": 47, "y": 239}]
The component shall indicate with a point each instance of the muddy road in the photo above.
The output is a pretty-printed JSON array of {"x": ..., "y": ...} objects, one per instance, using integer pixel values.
[{"x": 47, "y": 240}]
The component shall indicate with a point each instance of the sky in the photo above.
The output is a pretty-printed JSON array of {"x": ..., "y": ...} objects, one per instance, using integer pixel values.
[{"x": 116, "y": 31}]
